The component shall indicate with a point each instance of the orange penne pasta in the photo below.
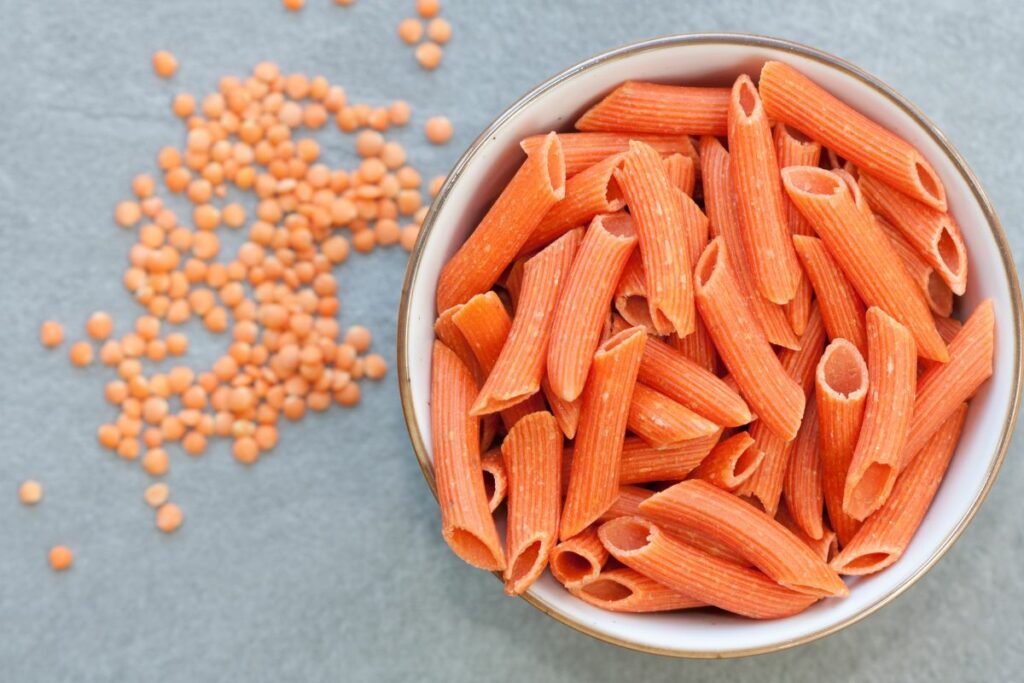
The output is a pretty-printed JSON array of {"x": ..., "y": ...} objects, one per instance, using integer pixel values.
[
  {"x": 842, "y": 310},
  {"x": 594, "y": 479},
  {"x": 841, "y": 390},
  {"x": 658, "y": 219},
  {"x": 448, "y": 332},
  {"x": 587, "y": 194},
  {"x": 864, "y": 253},
  {"x": 942, "y": 388},
  {"x": 885, "y": 535},
  {"x": 892, "y": 372},
  {"x": 720, "y": 202},
  {"x": 666, "y": 370},
  {"x": 578, "y": 560},
  {"x": 631, "y": 295},
  {"x": 730, "y": 463},
  {"x": 466, "y": 522},
  {"x": 662, "y": 422},
  {"x": 694, "y": 225},
  {"x": 641, "y": 107},
  {"x": 936, "y": 292},
  {"x": 583, "y": 150},
  {"x": 793, "y": 149},
  {"x": 490, "y": 248},
  {"x": 484, "y": 324},
  {"x": 933, "y": 234},
  {"x": 948, "y": 328},
  {"x": 765, "y": 485},
  {"x": 492, "y": 466},
  {"x": 643, "y": 463},
  {"x": 626, "y": 590},
  {"x": 517, "y": 372},
  {"x": 642, "y": 546},
  {"x": 795, "y": 100},
  {"x": 567, "y": 413},
  {"x": 824, "y": 547},
  {"x": 533, "y": 460},
  {"x": 681, "y": 171},
  {"x": 802, "y": 485},
  {"x": 627, "y": 503},
  {"x": 774, "y": 396},
  {"x": 747, "y": 532},
  {"x": 698, "y": 346},
  {"x": 755, "y": 173},
  {"x": 583, "y": 307}
]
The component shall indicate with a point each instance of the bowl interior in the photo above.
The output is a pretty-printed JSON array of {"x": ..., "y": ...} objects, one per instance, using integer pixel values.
[{"x": 717, "y": 60}]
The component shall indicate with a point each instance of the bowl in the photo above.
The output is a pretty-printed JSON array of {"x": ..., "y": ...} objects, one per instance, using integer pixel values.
[{"x": 716, "y": 59}]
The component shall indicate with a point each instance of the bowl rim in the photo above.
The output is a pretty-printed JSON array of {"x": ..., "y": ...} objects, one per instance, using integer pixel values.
[{"x": 828, "y": 59}]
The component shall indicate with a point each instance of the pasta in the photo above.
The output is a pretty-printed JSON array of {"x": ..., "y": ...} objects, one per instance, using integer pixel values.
[
  {"x": 892, "y": 371},
  {"x": 643, "y": 547},
  {"x": 658, "y": 217},
  {"x": 492, "y": 466},
  {"x": 842, "y": 310},
  {"x": 625, "y": 590},
  {"x": 746, "y": 531},
  {"x": 801, "y": 488},
  {"x": 885, "y": 535},
  {"x": 841, "y": 391},
  {"x": 641, "y": 107},
  {"x": 583, "y": 150},
  {"x": 517, "y": 373},
  {"x": 774, "y": 396},
  {"x": 730, "y": 463},
  {"x": 466, "y": 522},
  {"x": 476, "y": 266},
  {"x": 794, "y": 99},
  {"x": 863, "y": 252},
  {"x": 934, "y": 234},
  {"x": 594, "y": 479},
  {"x": 825, "y": 547},
  {"x": 755, "y": 174},
  {"x": 578, "y": 560},
  {"x": 583, "y": 307},
  {"x": 720, "y": 201},
  {"x": 662, "y": 422},
  {"x": 698, "y": 347},
  {"x": 681, "y": 171},
  {"x": 532, "y": 452},
  {"x": 936, "y": 292},
  {"x": 631, "y": 295}
]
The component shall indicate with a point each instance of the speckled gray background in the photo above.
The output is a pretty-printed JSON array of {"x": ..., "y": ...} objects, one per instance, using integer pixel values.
[{"x": 324, "y": 563}]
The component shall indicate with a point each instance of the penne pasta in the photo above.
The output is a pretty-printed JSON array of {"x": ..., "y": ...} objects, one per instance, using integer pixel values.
[
  {"x": 885, "y": 535},
  {"x": 643, "y": 463},
  {"x": 567, "y": 413},
  {"x": 583, "y": 150},
  {"x": 942, "y": 388},
  {"x": 730, "y": 463},
  {"x": 764, "y": 487},
  {"x": 583, "y": 306},
  {"x": 519, "y": 368},
  {"x": 933, "y": 234},
  {"x": 948, "y": 328},
  {"x": 642, "y": 107},
  {"x": 681, "y": 171},
  {"x": 720, "y": 202},
  {"x": 627, "y": 503},
  {"x": 841, "y": 391},
  {"x": 578, "y": 560},
  {"x": 594, "y": 479},
  {"x": 591, "y": 192},
  {"x": 626, "y": 590},
  {"x": 642, "y": 546},
  {"x": 892, "y": 372},
  {"x": 802, "y": 488},
  {"x": 466, "y": 522},
  {"x": 936, "y": 292},
  {"x": 755, "y": 174},
  {"x": 533, "y": 459},
  {"x": 666, "y": 370},
  {"x": 773, "y": 395},
  {"x": 793, "y": 99},
  {"x": 825, "y": 547},
  {"x": 631, "y": 295},
  {"x": 490, "y": 248},
  {"x": 658, "y": 219},
  {"x": 746, "y": 531},
  {"x": 698, "y": 346},
  {"x": 863, "y": 252},
  {"x": 492, "y": 466},
  {"x": 842, "y": 310},
  {"x": 484, "y": 324},
  {"x": 448, "y": 332},
  {"x": 662, "y": 422}
]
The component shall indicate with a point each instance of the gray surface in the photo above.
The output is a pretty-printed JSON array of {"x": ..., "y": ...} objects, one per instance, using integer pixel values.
[{"x": 324, "y": 562}]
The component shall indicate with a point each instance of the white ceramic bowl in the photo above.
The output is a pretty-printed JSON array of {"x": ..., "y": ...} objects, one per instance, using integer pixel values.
[{"x": 716, "y": 59}]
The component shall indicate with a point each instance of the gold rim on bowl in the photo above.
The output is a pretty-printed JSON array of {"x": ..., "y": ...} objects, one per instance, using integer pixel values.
[{"x": 749, "y": 40}]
